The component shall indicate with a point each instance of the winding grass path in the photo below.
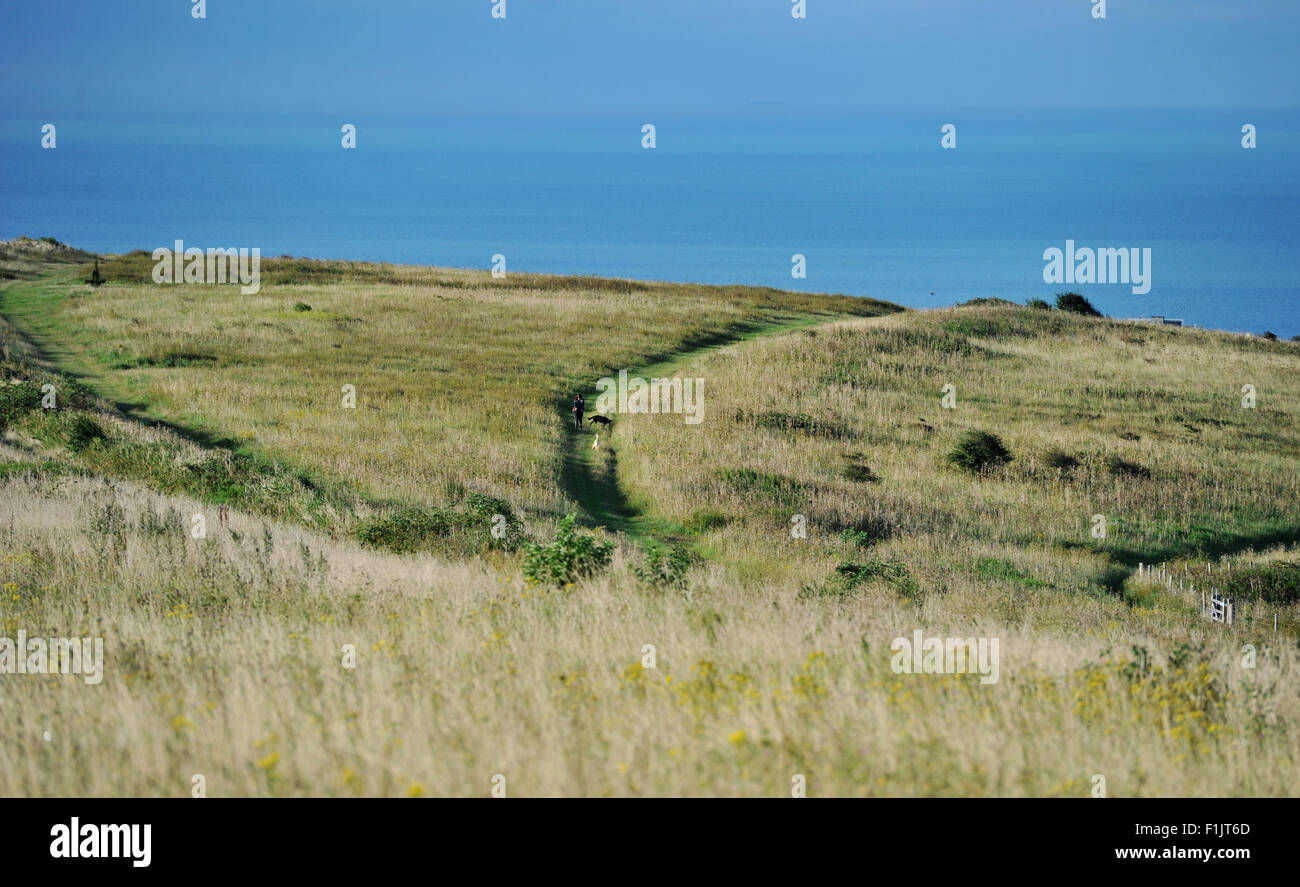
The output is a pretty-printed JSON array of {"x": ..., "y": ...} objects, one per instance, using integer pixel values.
[{"x": 590, "y": 476}]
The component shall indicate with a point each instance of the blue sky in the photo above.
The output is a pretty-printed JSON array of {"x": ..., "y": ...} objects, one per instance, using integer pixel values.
[{"x": 575, "y": 57}]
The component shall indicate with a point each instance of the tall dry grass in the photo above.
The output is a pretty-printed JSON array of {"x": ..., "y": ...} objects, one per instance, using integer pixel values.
[{"x": 224, "y": 658}]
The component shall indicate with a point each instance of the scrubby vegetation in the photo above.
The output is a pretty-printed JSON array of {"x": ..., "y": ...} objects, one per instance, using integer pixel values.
[
  {"x": 979, "y": 451},
  {"x": 1275, "y": 583},
  {"x": 573, "y": 555},
  {"x": 1076, "y": 304}
]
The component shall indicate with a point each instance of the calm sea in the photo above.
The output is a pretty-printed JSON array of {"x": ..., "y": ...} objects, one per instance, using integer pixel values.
[{"x": 871, "y": 199}]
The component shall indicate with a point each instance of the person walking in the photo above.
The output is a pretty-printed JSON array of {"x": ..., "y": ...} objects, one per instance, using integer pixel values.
[{"x": 579, "y": 406}]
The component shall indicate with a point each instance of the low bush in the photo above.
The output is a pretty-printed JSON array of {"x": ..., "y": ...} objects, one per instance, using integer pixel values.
[
  {"x": 409, "y": 530},
  {"x": 664, "y": 566},
  {"x": 978, "y": 451},
  {"x": 570, "y": 557}
]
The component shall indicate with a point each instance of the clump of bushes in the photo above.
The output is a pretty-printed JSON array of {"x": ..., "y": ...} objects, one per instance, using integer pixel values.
[
  {"x": 1076, "y": 304},
  {"x": 1275, "y": 583},
  {"x": 491, "y": 512},
  {"x": 409, "y": 530},
  {"x": 1039, "y": 304},
  {"x": 485, "y": 506},
  {"x": 301, "y": 306},
  {"x": 570, "y": 557},
  {"x": 430, "y": 529},
  {"x": 978, "y": 451}
]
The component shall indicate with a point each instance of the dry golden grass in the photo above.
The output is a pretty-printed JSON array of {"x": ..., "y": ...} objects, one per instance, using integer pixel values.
[{"x": 224, "y": 656}]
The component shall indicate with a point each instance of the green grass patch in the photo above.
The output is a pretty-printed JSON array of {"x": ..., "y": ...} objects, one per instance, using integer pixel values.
[{"x": 1004, "y": 571}]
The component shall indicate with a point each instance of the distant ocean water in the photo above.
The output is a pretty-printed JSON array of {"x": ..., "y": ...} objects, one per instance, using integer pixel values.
[{"x": 872, "y": 201}]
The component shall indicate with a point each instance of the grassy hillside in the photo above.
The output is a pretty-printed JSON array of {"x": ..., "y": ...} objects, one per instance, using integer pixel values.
[
  {"x": 771, "y": 653},
  {"x": 846, "y": 426},
  {"x": 458, "y": 377}
]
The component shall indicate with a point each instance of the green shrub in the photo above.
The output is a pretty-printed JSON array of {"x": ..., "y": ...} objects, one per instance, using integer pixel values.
[
  {"x": 83, "y": 431},
  {"x": 1039, "y": 304},
  {"x": 664, "y": 566},
  {"x": 570, "y": 557},
  {"x": 482, "y": 505},
  {"x": 978, "y": 451},
  {"x": 15, "y": 400},
  {"x": 301, "y": 306},
  {"x": 409, "y": 530},
  {"x": 851, "y": 536},
  {"x": 1076, "y": 304},
  {"x": 491, "y": 512},
  {"x": 864, "y": 531},
  {"x": 1275, "y": 583}
]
